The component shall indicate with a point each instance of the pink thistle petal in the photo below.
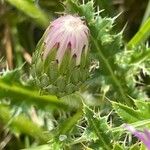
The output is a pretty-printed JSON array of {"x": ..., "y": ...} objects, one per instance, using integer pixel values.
[
  {"x": 48, "y": 49},
  {"x": 61, "y": 51},
  {"x": 71, "y": 33},
  {"x": 142, "y": 136}
]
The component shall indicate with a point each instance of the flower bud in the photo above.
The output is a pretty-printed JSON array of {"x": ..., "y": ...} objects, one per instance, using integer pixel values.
[
  {"x": 66, "y": 32},
  {"x": 59, "y": 63}
]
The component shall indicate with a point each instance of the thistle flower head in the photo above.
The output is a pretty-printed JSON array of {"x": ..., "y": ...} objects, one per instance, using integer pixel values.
[
  {"x": 66, "y": 32},
  {"x": 142, "y": 136}
]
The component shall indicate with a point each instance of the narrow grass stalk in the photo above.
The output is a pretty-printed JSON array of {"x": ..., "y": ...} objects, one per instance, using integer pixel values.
[
  {"x": 147, "y": 13},
  {"x": 140, "y": 36}
]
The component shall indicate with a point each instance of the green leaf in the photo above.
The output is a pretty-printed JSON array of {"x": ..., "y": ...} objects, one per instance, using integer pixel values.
[
  {"x": 21, "y": 124},
  {"x": 114, "y": 80},
  {"x": 65, "y": 127},
  {"x": 137, "y": 124},
  {"x": 141, "y": 35},
  {"x": 12, "y": 75},
  {"x": 128, "y": 114},
  {"x": 131, "y": 115},
  {"x": 20, "y": 94},
  {"x": 31, "y": 10},
  {"x": 137, "y": 117},
  {"x": 147, "y": 13},
  {"x": 98, "y": 126},
  {"x": 140, "y": 57},
  {"x": 135, "y": 147},
  {"x": 117, "y": 146},
  {"x": 143, "y": 108},
  {"x": 88, "y": 10}
]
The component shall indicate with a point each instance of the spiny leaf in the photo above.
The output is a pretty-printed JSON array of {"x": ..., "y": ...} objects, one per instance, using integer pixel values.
[
  {"x": 126, "y": 113},
  {"x": 98, "y": 126},
  {"x": 131, "y": 115}
]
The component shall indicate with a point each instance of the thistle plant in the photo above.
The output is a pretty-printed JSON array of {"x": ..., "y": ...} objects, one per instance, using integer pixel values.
[
  {"x": 59, "y": 62},
  {"x": 85, "y": 82}
]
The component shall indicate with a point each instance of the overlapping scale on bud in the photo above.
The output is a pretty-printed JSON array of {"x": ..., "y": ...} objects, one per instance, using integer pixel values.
[{"x": 59, "y": 64}]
